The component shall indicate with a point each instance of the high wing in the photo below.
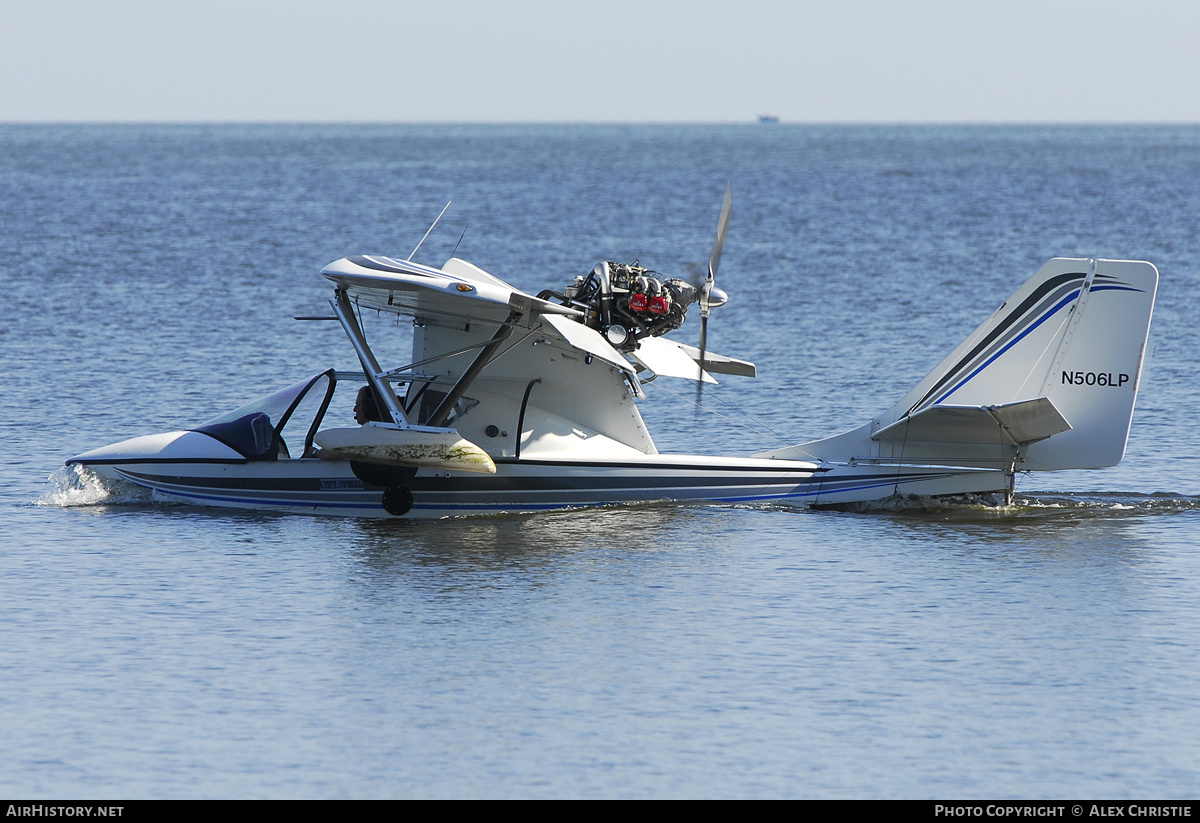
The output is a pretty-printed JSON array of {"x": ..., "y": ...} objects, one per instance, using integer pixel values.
[
  {"x": 458, "y": 290},
  {"x": 462, "y": 292}
]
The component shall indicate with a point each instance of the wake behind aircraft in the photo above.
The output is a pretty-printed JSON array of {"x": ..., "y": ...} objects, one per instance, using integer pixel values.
[{"x": 516, "y": 403}]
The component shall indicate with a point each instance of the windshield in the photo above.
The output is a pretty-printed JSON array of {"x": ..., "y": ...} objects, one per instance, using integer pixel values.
[{"x": 260, "y": 430}]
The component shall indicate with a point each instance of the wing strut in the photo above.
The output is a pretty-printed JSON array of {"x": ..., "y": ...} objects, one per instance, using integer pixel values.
[{"x": 383, "y": 389}]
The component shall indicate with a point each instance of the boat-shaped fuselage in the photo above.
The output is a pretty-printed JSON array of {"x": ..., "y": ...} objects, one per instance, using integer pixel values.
[{"x": 315, "y": 486}]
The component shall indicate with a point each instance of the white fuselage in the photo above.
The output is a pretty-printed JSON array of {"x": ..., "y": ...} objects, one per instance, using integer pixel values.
[{"x": 209, "y": 475}]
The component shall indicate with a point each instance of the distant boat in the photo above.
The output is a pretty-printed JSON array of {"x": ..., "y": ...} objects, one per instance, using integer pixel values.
[{"x": 768, "y": 118}]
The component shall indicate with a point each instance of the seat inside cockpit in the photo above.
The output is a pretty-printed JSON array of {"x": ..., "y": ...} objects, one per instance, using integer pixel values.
[{"x": 256, "y": 430}]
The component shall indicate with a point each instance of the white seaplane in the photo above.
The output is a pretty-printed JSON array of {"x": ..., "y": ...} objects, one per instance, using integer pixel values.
[{"x": 517, "y": 403}]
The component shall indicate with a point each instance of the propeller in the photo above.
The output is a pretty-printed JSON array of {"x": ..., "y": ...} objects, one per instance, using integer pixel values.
[{"x": 710, "y": 296}]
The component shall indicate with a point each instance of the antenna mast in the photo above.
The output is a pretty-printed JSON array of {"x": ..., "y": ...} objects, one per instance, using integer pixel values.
[{"x": 435, "y": 222}]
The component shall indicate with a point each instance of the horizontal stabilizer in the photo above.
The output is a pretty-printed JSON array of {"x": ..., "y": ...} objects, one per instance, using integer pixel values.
[{"x": 1026, "y": 421}]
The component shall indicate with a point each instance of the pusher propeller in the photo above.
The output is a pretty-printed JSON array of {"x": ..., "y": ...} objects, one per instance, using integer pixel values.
[{"x": 710, "y": 295}]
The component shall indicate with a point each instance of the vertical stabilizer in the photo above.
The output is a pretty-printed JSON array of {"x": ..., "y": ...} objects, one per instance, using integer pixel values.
[{"x": 1074, "y": 335}]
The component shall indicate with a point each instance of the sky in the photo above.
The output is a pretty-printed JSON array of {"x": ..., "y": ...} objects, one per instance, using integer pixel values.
[{"x": 530, "y": 61}]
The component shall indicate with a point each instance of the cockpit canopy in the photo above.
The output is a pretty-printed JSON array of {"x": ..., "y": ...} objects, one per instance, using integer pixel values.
[{"x": 256, "y": 430}]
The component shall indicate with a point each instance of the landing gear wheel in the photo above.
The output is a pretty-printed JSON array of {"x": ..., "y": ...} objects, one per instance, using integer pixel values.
[{"x": 397, "y": 500}]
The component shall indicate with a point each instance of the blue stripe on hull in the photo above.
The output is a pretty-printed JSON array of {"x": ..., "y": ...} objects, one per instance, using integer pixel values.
[{"x": 482, "y": 494}]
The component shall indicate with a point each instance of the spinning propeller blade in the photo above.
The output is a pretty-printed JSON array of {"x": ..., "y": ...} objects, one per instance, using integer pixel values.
[
  {"x": 714, "y": 259},
  {"x": 710, "y": 295}
]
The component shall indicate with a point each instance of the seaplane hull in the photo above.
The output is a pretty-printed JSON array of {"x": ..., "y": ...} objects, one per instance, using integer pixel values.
[{"x": 313, "y": 486}]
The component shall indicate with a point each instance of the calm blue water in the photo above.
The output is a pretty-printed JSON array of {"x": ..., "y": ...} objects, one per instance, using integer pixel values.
[{"x": 150, "y": 277}]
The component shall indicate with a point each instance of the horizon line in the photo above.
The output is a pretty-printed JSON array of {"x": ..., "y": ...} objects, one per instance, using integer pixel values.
[{"x": 756, "y": 122}]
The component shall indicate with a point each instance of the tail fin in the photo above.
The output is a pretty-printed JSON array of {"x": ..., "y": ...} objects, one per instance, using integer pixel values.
[
  {"x": 1074, "y": 334},
  {"x": 1050, "y": 378}
]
